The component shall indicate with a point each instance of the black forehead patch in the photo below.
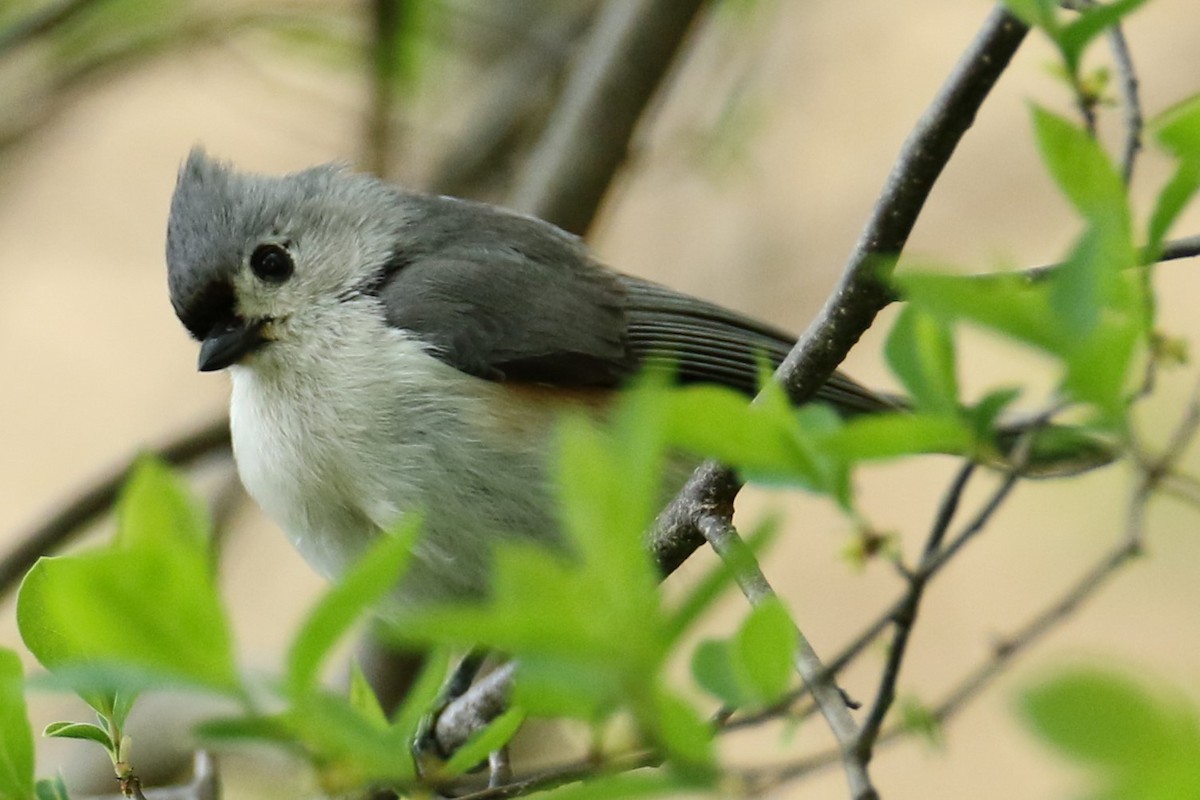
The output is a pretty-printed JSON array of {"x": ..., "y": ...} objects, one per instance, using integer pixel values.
[{"x": 206, "y": 230}]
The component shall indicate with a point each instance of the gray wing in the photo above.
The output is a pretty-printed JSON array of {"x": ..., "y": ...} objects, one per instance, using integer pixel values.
[
  {"x": 505, "y": 297},
  {"x": 710, "y": 344},
  {"x": 524, "y": 321}
]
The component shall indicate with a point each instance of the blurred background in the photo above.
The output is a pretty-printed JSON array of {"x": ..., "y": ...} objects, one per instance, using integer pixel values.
[{"x": 747, "y": 183}]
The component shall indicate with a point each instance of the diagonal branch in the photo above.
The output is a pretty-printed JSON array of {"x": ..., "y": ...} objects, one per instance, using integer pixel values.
[
  {"x": 862, "y": 290},
  {"x": 723, "y": 539}
]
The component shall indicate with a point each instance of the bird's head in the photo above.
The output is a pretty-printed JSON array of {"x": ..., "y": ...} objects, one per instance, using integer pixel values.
[{"x": 254, "y": 260}]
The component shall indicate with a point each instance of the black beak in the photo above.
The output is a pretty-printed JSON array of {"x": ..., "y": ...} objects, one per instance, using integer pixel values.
[{"x": 228, "y": 341}]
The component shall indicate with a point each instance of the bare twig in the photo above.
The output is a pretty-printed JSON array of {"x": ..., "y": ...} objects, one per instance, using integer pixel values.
[
  {"x": 623, "y": 64},
  {"x": 1130, "y": 101},
  {"x": 569, "y": 773},
  {"x": 1128, "y": 82},
  {"x": 904, "y": 621},
  {"x": 92, "y": 503},
  {"x": 1186, "y": 247},
  {"x": 1154, "y": 474},
  {"x": 723, "y": 539}
]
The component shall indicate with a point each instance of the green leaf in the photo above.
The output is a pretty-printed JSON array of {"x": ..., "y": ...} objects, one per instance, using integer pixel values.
[
  {"x": 1177, "y": 129},
  {"x": 1036, "y": 13},
  {"x": 754, "y": 668},
  {"x": 1139, "y": 746},
  {"x": 365, "y": 584},
  {"x": 156, "y": 510},
  {"x": 16, "y": 737},
  {"x": 489, "y": 739},
  {"x": 1091, "y": 21},
  {"x": 764, "y": 647},
  {"x": 687, "y": 738},
  {"x": 1100, "y": 717},
  {"x": 419, "y": 700},
  {"x": 918, "y": 718},
  {"x": 630, "y": 785},
  {"x": 51, "y": 789},
  {"x": 579, "y": 688},
  {"x": 920, "y": 350},
  {"x": 765, "y": 442},
  {"x": 348, "y": 750},
  {"x": 80, "y": 730},
  {"x": 1081, "y": 168},
  {"x": 1006, "y": 303},
  {"x": 714, "y": 669},
  {"x": 363, "y": 698},
  {"x": 247, "y": 729},
  {"x": 1170, "y": 203},
  {"x": 884, "y": 436},
  {"x": 155, "y": 610}
]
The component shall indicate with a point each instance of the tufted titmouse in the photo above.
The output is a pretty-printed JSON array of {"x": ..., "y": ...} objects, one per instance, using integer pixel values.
[{"x": 393, "y": 351}]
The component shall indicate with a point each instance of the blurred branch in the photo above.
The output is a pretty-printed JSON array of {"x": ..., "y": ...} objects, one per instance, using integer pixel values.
[
  {"x": 66, "y": 79},
  {"x": 862, "y": 290},
  {"x": 527, "y": 84},
  {"x": 1130, "y": 100},
  {"x": 476, "y": 707},
  {"x": 621, "y": 67},
  {"x": 93, "y": 502},
  {"x": 386, "y": 18},
  {"x": 41, "y": 22}
]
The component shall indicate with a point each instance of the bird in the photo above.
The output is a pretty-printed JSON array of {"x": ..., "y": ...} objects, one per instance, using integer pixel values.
[{"x": 394, "y": 352}]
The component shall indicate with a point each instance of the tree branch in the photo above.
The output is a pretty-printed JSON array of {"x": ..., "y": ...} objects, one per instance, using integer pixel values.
[
  {"x": 623, "y": 63},
  {"x": 862, "y": 290},
  {"x": 724, "y": 540}
]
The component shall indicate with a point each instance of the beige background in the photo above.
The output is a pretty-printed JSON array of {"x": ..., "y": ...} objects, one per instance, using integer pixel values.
[{"x": 96, "y": 366}]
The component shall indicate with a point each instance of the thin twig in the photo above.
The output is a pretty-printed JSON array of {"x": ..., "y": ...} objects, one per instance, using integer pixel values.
[
  {"x": 1130, "y": 101},
  {"x": 905, "y": 620},
  {"x": 1186, "y": 247},
  {"x": 569, "y": 773},
  {"x": 1128, "y": 81},
  {"x": 724, "y": 540},
  {"x": 1131, "y": 544}
]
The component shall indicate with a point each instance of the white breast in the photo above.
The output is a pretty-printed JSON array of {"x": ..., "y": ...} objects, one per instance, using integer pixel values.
[{"x": 337, "y": 439}]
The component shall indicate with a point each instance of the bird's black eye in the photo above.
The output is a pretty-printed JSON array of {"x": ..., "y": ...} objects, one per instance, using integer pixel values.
[{"x": 272, "y": 263}]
